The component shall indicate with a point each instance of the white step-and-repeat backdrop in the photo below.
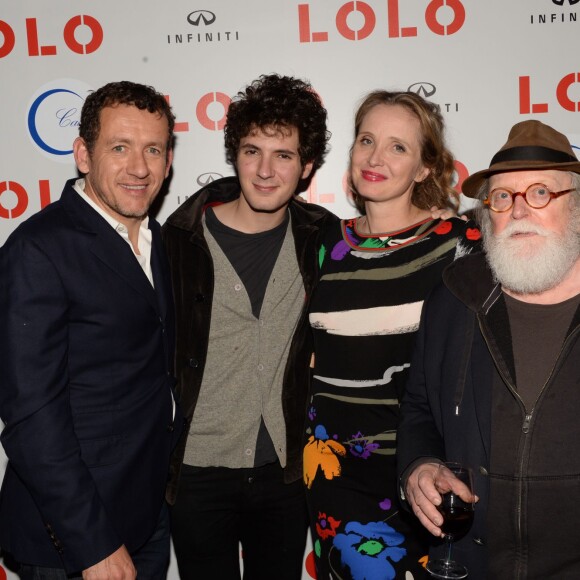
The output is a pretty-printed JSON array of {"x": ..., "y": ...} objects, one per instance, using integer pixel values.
[{"x": 487, "y": 64}]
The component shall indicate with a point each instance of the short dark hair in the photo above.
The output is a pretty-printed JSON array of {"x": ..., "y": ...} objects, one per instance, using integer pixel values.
[
  {"x": 121, "y": 93},
  {"x": 279, "y": 102},
  {"x": 435, "y": 189}
]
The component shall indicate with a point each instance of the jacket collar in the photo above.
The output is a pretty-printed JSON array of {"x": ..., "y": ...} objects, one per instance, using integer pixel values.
[
  {"x": 113, "y": 251},
  {"x": 470, "y": 280}
]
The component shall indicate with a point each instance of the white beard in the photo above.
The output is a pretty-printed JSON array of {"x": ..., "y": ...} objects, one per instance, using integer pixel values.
[{"x": 531, "y": 265}]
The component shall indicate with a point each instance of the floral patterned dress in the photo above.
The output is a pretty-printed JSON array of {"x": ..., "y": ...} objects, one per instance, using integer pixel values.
[{"x": 365, "y": 314}]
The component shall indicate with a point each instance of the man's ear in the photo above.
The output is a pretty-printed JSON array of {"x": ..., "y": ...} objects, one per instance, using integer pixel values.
[
  {"x": 81, "y": 155},
  {"x": 307, "y": 169}
]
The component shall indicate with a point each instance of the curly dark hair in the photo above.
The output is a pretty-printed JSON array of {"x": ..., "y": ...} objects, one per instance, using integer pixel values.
[
  {"x": 121, "y": 93},
  {"x": 279, "y": 102},
  {"x": 435, "y": 189}
]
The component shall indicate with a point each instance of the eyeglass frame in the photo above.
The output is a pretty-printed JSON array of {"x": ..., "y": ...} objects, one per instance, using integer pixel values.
[{"x": 514, "y": 194}]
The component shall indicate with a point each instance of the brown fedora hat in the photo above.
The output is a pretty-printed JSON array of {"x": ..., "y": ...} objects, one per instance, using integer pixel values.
[{"x": 530, "y": 145}]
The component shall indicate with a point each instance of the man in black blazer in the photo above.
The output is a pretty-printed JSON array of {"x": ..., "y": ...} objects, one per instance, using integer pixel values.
[{"x": 86, "y": 349}]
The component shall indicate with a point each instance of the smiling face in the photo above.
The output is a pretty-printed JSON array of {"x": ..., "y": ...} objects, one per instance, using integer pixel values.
[
  {"x": 386, "y": 155},
  {"x": 269, "y": 170},
  {"x": 128, "y": 164},
  {"x": 532, "y": 250}
]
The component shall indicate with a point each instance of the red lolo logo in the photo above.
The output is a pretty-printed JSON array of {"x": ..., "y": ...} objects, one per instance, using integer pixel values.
[
  {"x": 562, "y": 95},
  {"x": 14, "y": 200},
  {"x": 433, "y": 19},
  {"x": 206, "y": 118},
  {"x": 35, "y": 48}
]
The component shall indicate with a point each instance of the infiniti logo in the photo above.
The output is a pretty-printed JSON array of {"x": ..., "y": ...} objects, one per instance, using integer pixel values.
[
  {"x": 423, "y": 89},
  {"x": 561, "y": 2},
  {"x": 196, "y": 17},
  {"x": 205, "y": 33},
  {"x": 207, "y": 178}
]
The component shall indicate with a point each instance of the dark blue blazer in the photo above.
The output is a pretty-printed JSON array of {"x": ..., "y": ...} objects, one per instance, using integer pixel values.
[{"x": 86, "y": 350}]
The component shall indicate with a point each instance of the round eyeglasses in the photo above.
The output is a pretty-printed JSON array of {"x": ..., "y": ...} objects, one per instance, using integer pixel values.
[{"x": 537, "y": 196}]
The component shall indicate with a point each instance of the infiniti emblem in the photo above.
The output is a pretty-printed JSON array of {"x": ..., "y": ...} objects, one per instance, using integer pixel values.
[
  {"x": 423, "y": 89},
  {"x": 201, "y": 16},
  {"x": 207, "y": 178}
]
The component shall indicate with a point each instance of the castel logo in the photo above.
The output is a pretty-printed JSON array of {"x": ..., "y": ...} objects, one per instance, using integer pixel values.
[
  {"x": 53, "y": 117},
  {"x": 42, "y": 39},
  {"x": 206, "y": 30},
  {"x": 564, "y": 15},
  {"x": 318, "y": 24}
]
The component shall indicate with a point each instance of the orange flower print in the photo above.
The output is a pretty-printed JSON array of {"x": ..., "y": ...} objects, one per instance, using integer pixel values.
[
  {"x": 320, "y": 451},
  {"x": 443, "y": 228}
]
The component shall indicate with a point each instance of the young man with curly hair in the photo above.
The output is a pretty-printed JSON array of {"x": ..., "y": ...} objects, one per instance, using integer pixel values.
[{"x": 242, "y": 252}]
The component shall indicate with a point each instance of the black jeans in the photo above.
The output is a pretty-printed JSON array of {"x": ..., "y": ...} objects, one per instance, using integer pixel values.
[
  {"x": 218, "y": 508},
  {"x": 151, "y": 560}
]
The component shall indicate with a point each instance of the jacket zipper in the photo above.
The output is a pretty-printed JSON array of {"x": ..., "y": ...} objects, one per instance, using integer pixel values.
[
  {"x": 526, "y": 425},
  {"x": 525, "y": 429}
]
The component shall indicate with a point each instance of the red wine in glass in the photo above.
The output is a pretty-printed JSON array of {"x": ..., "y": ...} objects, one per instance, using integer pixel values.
[{"x": 457, "y": 519}]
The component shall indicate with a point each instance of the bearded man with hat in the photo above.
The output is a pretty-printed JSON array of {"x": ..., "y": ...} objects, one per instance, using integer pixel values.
[{"x": 495, "y": 381}]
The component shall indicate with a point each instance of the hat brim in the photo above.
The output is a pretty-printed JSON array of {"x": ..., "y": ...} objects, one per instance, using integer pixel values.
[{"x": 473, "y": 183}]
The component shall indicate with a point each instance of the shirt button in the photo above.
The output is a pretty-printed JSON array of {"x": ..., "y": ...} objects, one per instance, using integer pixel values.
[
  {"x": 260, "y": 367},
  {"x": 250, "y": 479},
  {"x": 483, "y": 470},
  {"x": 248, "y": 452},
  {"x": 237, "y": 287},
  {"x": 261, "y": 323},
  {"x": 193, "y": 363}
]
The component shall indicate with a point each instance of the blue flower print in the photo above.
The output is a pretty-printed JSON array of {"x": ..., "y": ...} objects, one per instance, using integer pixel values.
[{"x": 367, "y": 548}]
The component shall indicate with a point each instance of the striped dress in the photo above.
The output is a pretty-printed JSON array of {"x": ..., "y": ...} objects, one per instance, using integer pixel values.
[{"x": 364, "y": 315}]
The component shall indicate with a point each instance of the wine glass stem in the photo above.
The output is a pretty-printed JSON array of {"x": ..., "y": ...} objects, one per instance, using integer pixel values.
[{"x": 449, "y": 546}]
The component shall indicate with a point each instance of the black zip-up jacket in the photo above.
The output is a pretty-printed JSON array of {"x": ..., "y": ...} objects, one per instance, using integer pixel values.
[
  {"x": 463, "y": 352},
  {"x": 193, "y": 282}
]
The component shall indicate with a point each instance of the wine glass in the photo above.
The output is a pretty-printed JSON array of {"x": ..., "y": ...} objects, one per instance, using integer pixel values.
[{"x": 457, "y": 518}]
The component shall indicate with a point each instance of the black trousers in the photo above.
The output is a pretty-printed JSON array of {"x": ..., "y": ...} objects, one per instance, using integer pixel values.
[{"x": 218, "y": 508}]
